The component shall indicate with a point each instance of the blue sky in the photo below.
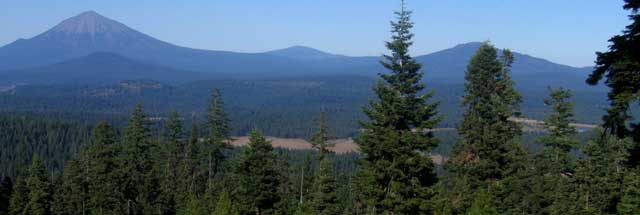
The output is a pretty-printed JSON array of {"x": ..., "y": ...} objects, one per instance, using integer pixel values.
[{"x": 563, "y": 31}]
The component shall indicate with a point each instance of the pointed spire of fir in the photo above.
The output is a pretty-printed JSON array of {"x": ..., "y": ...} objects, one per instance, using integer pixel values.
[
  {"x": 558, "y": 123},
  {"x": 219, "y": 136},
  {"x": 488, "y": 150},
  {"x": 139, "y": 186},
  {"x": 40, "y": 198},
  {"x": 174, "y": 129},
  {"x": 324, "y": 196},
  {"x": 321, "y": 138},
  {"x": 257, "y": 176},
  {"x": 396, "y": 170}
]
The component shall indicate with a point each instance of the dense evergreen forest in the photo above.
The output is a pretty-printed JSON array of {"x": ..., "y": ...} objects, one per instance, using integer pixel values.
[
  {"x": 186, "y": 165},
  {"x": 279, "y": 106}
]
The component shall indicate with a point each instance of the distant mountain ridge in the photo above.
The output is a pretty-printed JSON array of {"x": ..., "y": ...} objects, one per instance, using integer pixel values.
[
  {"x": 98, "y": 68},
  {"x": 449, "y": 65},
  {"x": 90, "y": 32},
  {"x": 303, "y": 53}
]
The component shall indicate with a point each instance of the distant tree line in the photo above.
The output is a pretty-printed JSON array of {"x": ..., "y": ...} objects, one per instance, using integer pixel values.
[{"x": 186, "y": 171}]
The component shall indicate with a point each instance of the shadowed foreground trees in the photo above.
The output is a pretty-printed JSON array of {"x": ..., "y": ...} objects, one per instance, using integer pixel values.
[{"x": 620, "y": 68}]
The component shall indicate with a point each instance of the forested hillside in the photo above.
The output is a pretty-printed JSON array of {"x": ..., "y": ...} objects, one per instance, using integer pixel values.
[
  {"x": 280, "y": 107},
  {"x": 53, "y": 139}
]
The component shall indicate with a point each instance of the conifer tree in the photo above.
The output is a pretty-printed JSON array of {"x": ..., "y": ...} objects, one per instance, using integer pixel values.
[
  {"x": 599, "y": 174},
  {"x": 620, "y": 67},
  {"x": 320, "y": 140},
  {"x": 171, "y": 152},
  {"x": 219, "y": 135},
  {"x": 140, "y": 186},
  {"x": 188, "y": 166},
  {"x": 6, "y": 188},
  {"x": 487, "y": 151},
  {"x": 174, "y": 143},
  {"x": 396, "y": 171},
  {"x": 19, "y": 196},
  {"x": 561, "y": 139},
  {"x": 104, "y": 193},
  {"x": 39, "y": 197},
  {"x": 257, "y": 177},
  {"x": 547, "y": 183},
  {"x": 72, "y": 195},
  {"x": 287, "y": 189},
  {"x": 325, "y": 199},
  {"x": 90, "y": 182},
  {"x": 630, "y": 202}
]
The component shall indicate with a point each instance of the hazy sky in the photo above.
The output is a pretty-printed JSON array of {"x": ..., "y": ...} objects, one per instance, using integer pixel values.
[{"x": 563, "y": 31}]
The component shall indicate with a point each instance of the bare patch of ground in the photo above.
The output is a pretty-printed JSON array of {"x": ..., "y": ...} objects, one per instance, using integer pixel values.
[{"x": 339, "y": 146}]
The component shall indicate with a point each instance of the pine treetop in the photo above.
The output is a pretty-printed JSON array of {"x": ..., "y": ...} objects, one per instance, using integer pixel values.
[
  {"x": 558, "y": 123},
  {"x": 174, "y": 128},
  {"x": 396, "y": 170},
  {"x": 217, "y": 119},
  {"x": 137, "y": 131}
]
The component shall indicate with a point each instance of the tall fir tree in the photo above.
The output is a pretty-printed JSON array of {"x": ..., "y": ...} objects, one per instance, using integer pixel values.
[
  {"x": 167, "y": 168},
  {"x": 91, "y": 181},
  {"x": 599, "y": 175},
  {"x": 105, "y": 195},
  {"x": 219, "y": 136},
  {"x": 320, "y": 140},
  {"x": 620, "y": 67},
  {"x": 189, "y": 171},
  {"x": 396, "y": 171},
  {"x": 488, "y": 150},
  {"x": 39, "y": 197},
  {"x": 559, "y": 143},
  {"x": 140, "y": 185},
  {"x": 19, "y": 196},
  {"x": 547, "y": 182},
  {"x": 257, "y": 191},
  {"x": 71, "y": 196},
  {"x": 561, "y": 139},
  {"x": 324, "y": 196},
  {"x": 287, "y": 188}
]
